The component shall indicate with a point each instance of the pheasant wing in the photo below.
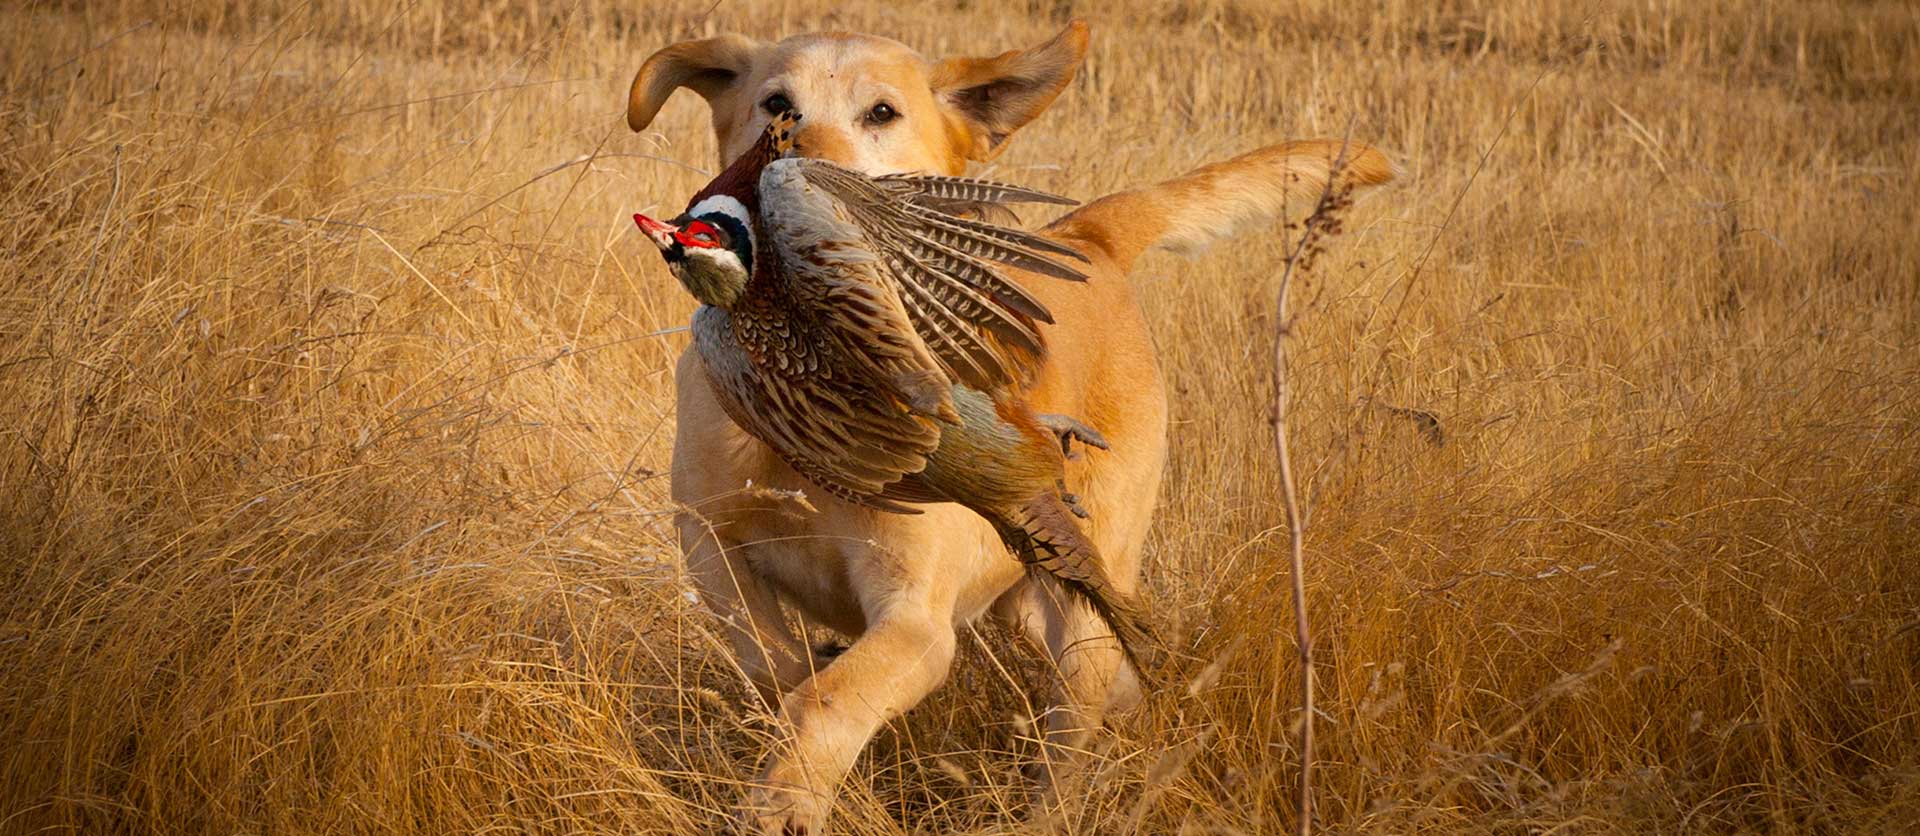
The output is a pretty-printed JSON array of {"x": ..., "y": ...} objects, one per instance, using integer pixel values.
[
  {"x": 837, "y": 430},
  {"x": 960, "y": 195},
  {"x": 978, "y": 323},
  {"x": 842, "y": 291}
]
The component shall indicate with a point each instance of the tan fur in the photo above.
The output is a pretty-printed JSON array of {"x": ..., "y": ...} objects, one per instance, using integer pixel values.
[
  {"x": 953, "y": 111},
  {"x": 901, "y": 585}
]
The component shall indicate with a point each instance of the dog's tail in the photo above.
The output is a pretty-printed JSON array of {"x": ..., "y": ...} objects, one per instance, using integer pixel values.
[{"x": 1213, "y": 202}]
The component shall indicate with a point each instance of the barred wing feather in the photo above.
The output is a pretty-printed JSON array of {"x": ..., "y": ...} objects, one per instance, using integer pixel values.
[
  {"x": 977, "y": 323},
  {"x": 955, "y": 195}
]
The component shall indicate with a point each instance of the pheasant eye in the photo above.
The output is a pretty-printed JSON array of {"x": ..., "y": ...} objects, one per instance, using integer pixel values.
[
  {"x": 881, "y": 114},
  {"x": 776, "y": 104}
]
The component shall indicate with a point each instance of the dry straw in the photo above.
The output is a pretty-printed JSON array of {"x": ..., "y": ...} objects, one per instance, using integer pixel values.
[{"x": 336, "y": 402}]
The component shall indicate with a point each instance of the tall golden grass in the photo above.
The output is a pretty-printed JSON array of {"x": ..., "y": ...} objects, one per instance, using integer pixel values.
[{"x": 335, "y": 405}]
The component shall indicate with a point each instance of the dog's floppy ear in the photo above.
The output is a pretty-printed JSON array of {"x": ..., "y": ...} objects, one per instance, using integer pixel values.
[
  {"x": 708, "y": 67},
  {"x": 995, "y": 96}
]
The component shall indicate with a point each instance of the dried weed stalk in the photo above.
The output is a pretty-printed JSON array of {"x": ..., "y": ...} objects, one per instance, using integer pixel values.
[{"x": 1319, "y": 226}]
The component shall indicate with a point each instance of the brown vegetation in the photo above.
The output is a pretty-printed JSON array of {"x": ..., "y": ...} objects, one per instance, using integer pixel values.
[{"x": 334, "y": 399}]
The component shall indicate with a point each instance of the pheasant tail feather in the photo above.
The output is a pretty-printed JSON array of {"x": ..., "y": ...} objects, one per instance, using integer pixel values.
[{"x": 1045, "y": 537}]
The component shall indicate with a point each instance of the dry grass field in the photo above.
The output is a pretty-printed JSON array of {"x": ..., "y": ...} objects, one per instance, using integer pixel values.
[{"x": 335, "y": 406}]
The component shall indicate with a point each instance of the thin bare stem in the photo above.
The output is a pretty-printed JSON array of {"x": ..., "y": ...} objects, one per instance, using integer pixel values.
[
  {"x": 113, "y": 197},
  {"x": 1318, "y": 224},
  {"x": 1303, "y": 631}
]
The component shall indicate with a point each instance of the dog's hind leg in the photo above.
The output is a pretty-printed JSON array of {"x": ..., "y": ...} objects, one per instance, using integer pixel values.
[{"x": 1087, "y": 661}]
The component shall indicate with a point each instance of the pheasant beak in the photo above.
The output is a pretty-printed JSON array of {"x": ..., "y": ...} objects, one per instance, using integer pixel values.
[{"x": 661, "y": 233}]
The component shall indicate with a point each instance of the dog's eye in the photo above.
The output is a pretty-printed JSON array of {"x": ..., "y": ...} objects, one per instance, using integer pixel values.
[
  {"x": 881, "y": 114},
  {"x": 776, "y": 104}
]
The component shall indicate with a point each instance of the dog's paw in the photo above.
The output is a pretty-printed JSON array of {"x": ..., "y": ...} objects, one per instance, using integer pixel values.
[{"x": 775, "y": 808}]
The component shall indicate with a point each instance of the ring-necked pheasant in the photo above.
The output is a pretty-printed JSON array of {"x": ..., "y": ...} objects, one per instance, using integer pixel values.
[{"x": 858, "y": 326}]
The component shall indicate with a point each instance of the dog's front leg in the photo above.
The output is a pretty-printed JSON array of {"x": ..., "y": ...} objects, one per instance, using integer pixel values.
[
  {"x": 904, "y": 654},
  {"x": 773, "y": 659}
]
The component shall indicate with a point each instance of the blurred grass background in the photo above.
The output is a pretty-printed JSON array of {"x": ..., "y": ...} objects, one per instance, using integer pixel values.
[{"x": 334, "y": 417}]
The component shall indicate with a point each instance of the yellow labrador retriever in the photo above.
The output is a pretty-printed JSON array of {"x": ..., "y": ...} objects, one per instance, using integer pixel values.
[{"x": 901, "y": 585}]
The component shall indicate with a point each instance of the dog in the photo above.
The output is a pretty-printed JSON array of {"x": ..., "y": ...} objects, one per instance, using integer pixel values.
[{"x": 755, "y": 534}]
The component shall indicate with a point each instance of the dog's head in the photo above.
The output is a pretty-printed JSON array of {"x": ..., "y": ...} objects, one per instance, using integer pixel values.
[{"x": 870, "y": 103}]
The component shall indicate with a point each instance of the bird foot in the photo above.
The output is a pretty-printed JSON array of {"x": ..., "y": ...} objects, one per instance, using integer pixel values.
[
  {"x": 1070, "y": 429},
  {"x": 1072, "y": 501}
]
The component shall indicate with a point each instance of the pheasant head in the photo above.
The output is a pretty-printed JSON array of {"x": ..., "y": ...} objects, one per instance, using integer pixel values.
[{"x": 710, "y": 246}]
